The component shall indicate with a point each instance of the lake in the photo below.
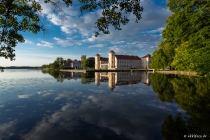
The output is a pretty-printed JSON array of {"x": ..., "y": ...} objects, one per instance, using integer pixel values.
[{"x": 39, "y": 105}]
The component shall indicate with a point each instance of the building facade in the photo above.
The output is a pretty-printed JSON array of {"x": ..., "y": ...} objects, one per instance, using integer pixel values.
[
  {"x": 75, "y": 64},
  {"x": 115, "y": 61},
  {"x": 72, "y": 64}
]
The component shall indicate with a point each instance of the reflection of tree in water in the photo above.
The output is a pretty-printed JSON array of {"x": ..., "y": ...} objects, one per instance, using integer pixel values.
[
  {"x": 163, "y": 87},
  {"x": 174, "y": 128},
  {"x": 58, "y": 75},
  {"x": 191, "y": 94},
  {"x": 87, "y": 78}
]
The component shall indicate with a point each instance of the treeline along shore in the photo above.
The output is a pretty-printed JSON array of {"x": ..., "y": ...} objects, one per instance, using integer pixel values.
[{"x": 21, "y": 67}]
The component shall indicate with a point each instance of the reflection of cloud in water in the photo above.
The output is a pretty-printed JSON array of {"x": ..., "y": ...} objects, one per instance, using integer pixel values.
[
  {"x": 45, "y": 93},
  {"x": 97, "y": 91},
  {"x": 171, "y": 107},
  {"x": 98, "y": 115},
  {"x": 7, "y": 129},
  {"x": 24, "y": 96}
]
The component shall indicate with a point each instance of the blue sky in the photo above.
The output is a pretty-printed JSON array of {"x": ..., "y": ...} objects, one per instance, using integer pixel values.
[{"x": 75, "y": 36}]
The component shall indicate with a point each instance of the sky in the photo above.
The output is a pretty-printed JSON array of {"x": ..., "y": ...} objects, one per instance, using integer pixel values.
[{"x": 74, "y": 36}]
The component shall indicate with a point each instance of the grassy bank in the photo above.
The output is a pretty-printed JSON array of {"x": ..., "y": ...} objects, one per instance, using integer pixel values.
[
  {"x": 177, "y": 72},
  {"x": 47, "y": 69}
]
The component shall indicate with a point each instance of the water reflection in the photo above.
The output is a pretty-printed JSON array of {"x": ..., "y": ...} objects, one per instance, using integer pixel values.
[
  {"x": 121, "y": 78},
  {"x": 193, "y": 95},
  {"x": 111, "y": 78},
  {"x": 45, "y": 108}
]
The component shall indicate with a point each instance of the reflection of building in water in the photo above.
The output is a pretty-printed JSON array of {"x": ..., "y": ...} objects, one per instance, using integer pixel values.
[
  {"x": 121, "y": 78},
  {"x": 72, "y": 75},
  {"x": 101, "y": 77}
]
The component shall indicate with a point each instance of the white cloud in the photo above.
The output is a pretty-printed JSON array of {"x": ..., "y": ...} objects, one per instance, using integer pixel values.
[
  {"x": 67, "y": 42},
  {"x": 28, "y": 41},
  {"x": 158, "y": 30},
  {"x": 45, "y": 44},
  {"x": 97, "y": 46},
  {"x": 142, "y": 36}
]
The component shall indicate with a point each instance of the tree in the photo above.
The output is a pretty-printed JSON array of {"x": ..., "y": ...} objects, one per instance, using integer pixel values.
[
  {"x": 158, "y": 60},
  {"x": 56, "y": 64},
  {"x": 68, "y": 62},
  {"x": 83, "y": 58},
  {"x": 187, "y": 32},
  {"x": 51, "y": 66},
  {"x": 24, "y": 15},
  {"x": 59, "y": 60},
  {"x": 45, "y": 66},
  {"x": 188, "y": 58},
  {"x": 16, "y": 16},
  {"x": 88, "y": 63}
]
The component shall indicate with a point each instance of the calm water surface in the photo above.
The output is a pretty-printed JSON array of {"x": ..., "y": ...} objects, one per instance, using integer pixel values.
[{"x": 37, "y": 105}]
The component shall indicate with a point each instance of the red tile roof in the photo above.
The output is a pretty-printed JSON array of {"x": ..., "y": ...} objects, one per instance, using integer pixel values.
[
  {"x": 128, "y": 57},
  {"x": 75, "y": 60},
  {"x": 103, "y": 59}
]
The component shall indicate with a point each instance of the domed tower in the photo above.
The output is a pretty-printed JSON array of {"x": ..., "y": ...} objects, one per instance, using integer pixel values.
[
  {"x": 111, "y": 59},
  {"x": 97, "y": 61}
]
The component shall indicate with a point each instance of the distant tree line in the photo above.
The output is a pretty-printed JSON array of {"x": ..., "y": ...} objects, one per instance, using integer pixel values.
[
  {"x": 60, "y": 63},
  {"x": 57, "y": 64},
  {"x": 186, "y": 38}
]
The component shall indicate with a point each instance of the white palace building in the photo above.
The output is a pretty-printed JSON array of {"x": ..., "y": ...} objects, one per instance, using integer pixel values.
[{"x": 115, "y": 61}]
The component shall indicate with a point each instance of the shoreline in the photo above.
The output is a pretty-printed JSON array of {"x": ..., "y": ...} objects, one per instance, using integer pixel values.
[
  {"x": 132, "y": 70},
  {"x": 178, "y": 72},
  {"x": 107, "y": 70}
]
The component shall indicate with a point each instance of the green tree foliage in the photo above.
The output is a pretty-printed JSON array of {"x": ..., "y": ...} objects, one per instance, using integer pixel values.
[
  {"x": 158, "y": 60},
  {"x": 188, "y": 58},
  {"x": 68, "y": 62},
  {"x": 59, "y": 60},
  {"x": 56, "y": 64},
  {"x": 163, "y": 56},
  {"x": 17, "y": 16},
  {"x": 83, "y": 58},
  {"x": 186, "y": 36},
  {"x": 88, "y": 63},
  {"x": 24, "y": 15},
  {"x": 45, "y": 66}
]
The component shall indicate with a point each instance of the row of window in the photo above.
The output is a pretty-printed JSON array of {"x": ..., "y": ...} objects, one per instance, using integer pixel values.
[
  {"x": 128, "y": 66},
  {"x": 128, "y": 61}
]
